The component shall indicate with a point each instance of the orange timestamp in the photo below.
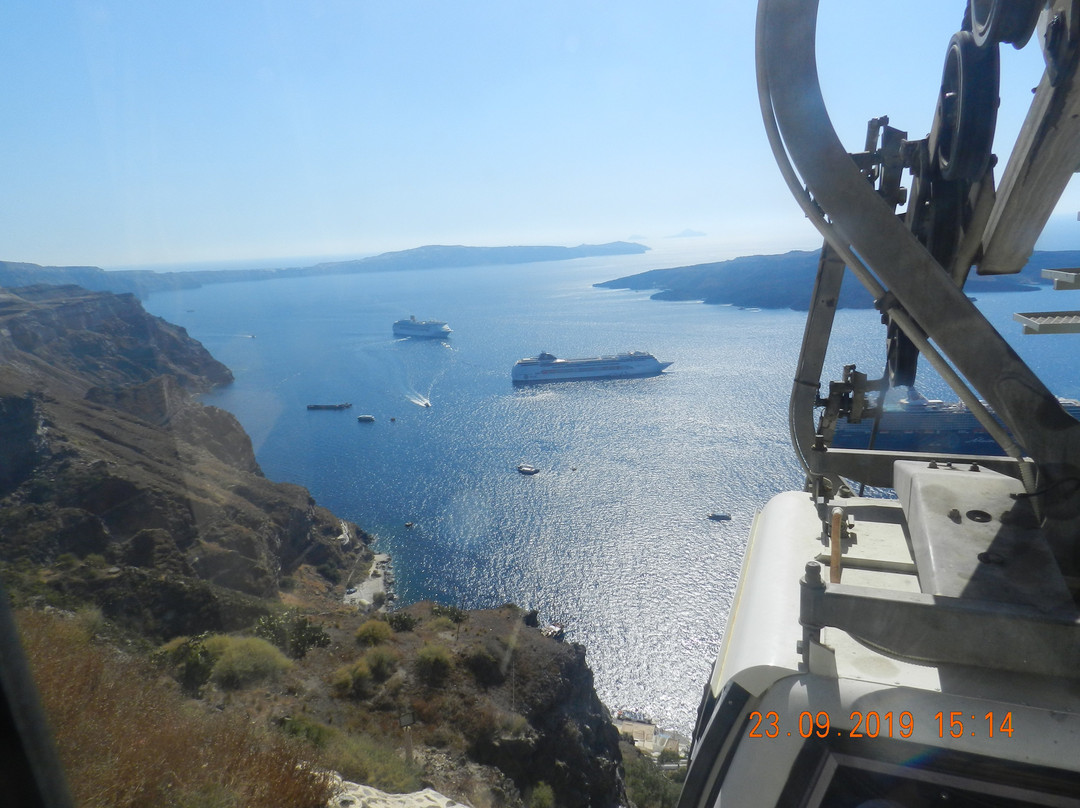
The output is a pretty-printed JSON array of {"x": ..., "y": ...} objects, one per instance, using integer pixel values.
[{"x": 874, "y": 724}]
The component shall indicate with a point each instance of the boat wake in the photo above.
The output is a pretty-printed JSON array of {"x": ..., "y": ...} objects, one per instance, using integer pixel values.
[{"x": 416, "y": 392}]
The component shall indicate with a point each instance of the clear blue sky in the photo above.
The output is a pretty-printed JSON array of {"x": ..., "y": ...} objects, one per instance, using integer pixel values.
[{"x": 143, "y": 132}]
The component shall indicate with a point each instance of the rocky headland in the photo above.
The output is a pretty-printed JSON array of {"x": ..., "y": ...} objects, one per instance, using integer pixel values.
[
  {"x": 787, "y": 281},
  {"x": 127, "y": 502}
]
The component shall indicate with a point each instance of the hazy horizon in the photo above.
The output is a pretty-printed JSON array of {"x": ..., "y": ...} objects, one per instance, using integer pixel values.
[{"x": 141, "y": 135}]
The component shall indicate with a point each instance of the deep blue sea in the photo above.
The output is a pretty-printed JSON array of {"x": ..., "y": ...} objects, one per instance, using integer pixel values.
[{"x": 611, "y": 538}]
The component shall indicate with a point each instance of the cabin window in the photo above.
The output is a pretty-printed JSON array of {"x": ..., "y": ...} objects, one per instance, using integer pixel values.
[{"x": 844, "y": 773}]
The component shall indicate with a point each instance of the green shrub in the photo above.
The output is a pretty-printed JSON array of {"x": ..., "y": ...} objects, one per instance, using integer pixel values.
[
  {"x": 90, "y": 619},
  {"x": 485, "y": 667},
  {"x": 374, "y": 632},
  {"x": 515, "y": 725},
  {"x": 646, "y": 784},
  {"x": 353, "y": 680},
  {"x": 442, "y": 623},
  {"x": 543, "y": 796},
  {"x": 433, "y": 664},
  {"x": 382, "y": 662},
  {"x": 188, "y": 660},
  {"x": 480, "y": 727},
  {"x": 341, "y": 681},
  {"x": 308, "y": 729},
  {"x": 439, "y": 737},
  {"x": 216, "y": 644},
  {"x": 329, "y": 572},
  {"x": 455, "y": 614},
  {"x": 400, "y": 621},
  {"x": 293, "y": 634},
  {"x": 242, "y": 661}
]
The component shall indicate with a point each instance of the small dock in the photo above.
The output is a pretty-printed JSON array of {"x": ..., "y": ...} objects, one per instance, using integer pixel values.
[{"x": 380, "y": 578}]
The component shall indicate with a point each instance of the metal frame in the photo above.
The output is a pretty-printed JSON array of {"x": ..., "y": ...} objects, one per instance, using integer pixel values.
[{"x": 908, "y": 284}]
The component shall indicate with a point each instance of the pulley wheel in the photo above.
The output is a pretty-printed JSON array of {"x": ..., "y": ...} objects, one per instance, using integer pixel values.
[
  {"x": 967, "y": 109},
  {"x": 1012, "y": 21}
]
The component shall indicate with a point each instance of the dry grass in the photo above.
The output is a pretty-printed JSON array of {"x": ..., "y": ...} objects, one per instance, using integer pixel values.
[{"x": 128, "y": 740}]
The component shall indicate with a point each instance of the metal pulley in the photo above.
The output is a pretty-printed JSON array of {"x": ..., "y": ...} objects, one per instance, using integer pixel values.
[
  {"x": 967, "y": 109},
  {"x": 1011, "y": 21}
]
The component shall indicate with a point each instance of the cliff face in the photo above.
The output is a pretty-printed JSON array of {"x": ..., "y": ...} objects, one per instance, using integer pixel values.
[
  {"x": 509, "y": 709},
  {"x": 117, "y": 488},
  {"x": 69, "y": 339},
  {"x": 106, "y": 453},
  {"x": 574, "y": 746}
]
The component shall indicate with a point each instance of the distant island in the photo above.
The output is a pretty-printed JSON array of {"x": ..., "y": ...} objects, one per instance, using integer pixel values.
[
  {"x": 143, "y": 282},
  {"x": 786, "y": 281}
]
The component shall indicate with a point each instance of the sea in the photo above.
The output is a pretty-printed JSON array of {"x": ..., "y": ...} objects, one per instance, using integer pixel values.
[{"x": 612, "y": 537}]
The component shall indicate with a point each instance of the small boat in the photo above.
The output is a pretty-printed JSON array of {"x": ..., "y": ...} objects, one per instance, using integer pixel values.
[
  {"x": 344, "y": 406},
  {"x": 525, "y": 468},
  {"x": 720, "y": 517},
  {"x": 365, "y": 419},
  {"x": 408, "y": 524},
  {"x": 553, "y": 631}
]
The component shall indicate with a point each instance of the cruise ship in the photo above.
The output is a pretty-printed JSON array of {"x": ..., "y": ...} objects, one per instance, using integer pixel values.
[
  {"x": 430, "y": 329},
  {"x": 547, "y": 368},
  {"x": 918, "y": 424}
]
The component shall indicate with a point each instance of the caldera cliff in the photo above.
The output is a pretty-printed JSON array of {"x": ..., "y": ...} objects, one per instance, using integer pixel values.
[{"x": 121, "y": 493}]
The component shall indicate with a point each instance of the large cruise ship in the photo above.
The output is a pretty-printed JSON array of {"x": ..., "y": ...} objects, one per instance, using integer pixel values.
[
  {"x": 421, "y": 328},
  {"x": 546, "y": 368},
  {"x": 919, "y": 424}
]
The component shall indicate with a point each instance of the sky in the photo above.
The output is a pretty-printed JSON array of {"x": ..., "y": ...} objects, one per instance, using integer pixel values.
[{"x": 140, "y": 134}]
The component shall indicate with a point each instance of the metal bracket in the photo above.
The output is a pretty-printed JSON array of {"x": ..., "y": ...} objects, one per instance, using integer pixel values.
[{"x": 943, "y": 630}]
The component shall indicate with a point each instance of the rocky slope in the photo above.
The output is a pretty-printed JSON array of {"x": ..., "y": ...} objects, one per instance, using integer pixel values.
[
  {"x": 120, "y": 491},
  {"x": 106, "y": 452}
]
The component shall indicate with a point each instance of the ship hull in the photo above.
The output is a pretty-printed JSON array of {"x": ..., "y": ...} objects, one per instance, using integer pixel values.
[
  {"x": 421, "y": 329},
  {"x": 547, "y": 369},
  {"x": 950, "y": 430}
]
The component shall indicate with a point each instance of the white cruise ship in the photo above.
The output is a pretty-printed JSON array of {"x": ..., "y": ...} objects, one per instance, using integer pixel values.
[
  {"x": 546, "y": 368},
  {"x": 421, "y": 328}
]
